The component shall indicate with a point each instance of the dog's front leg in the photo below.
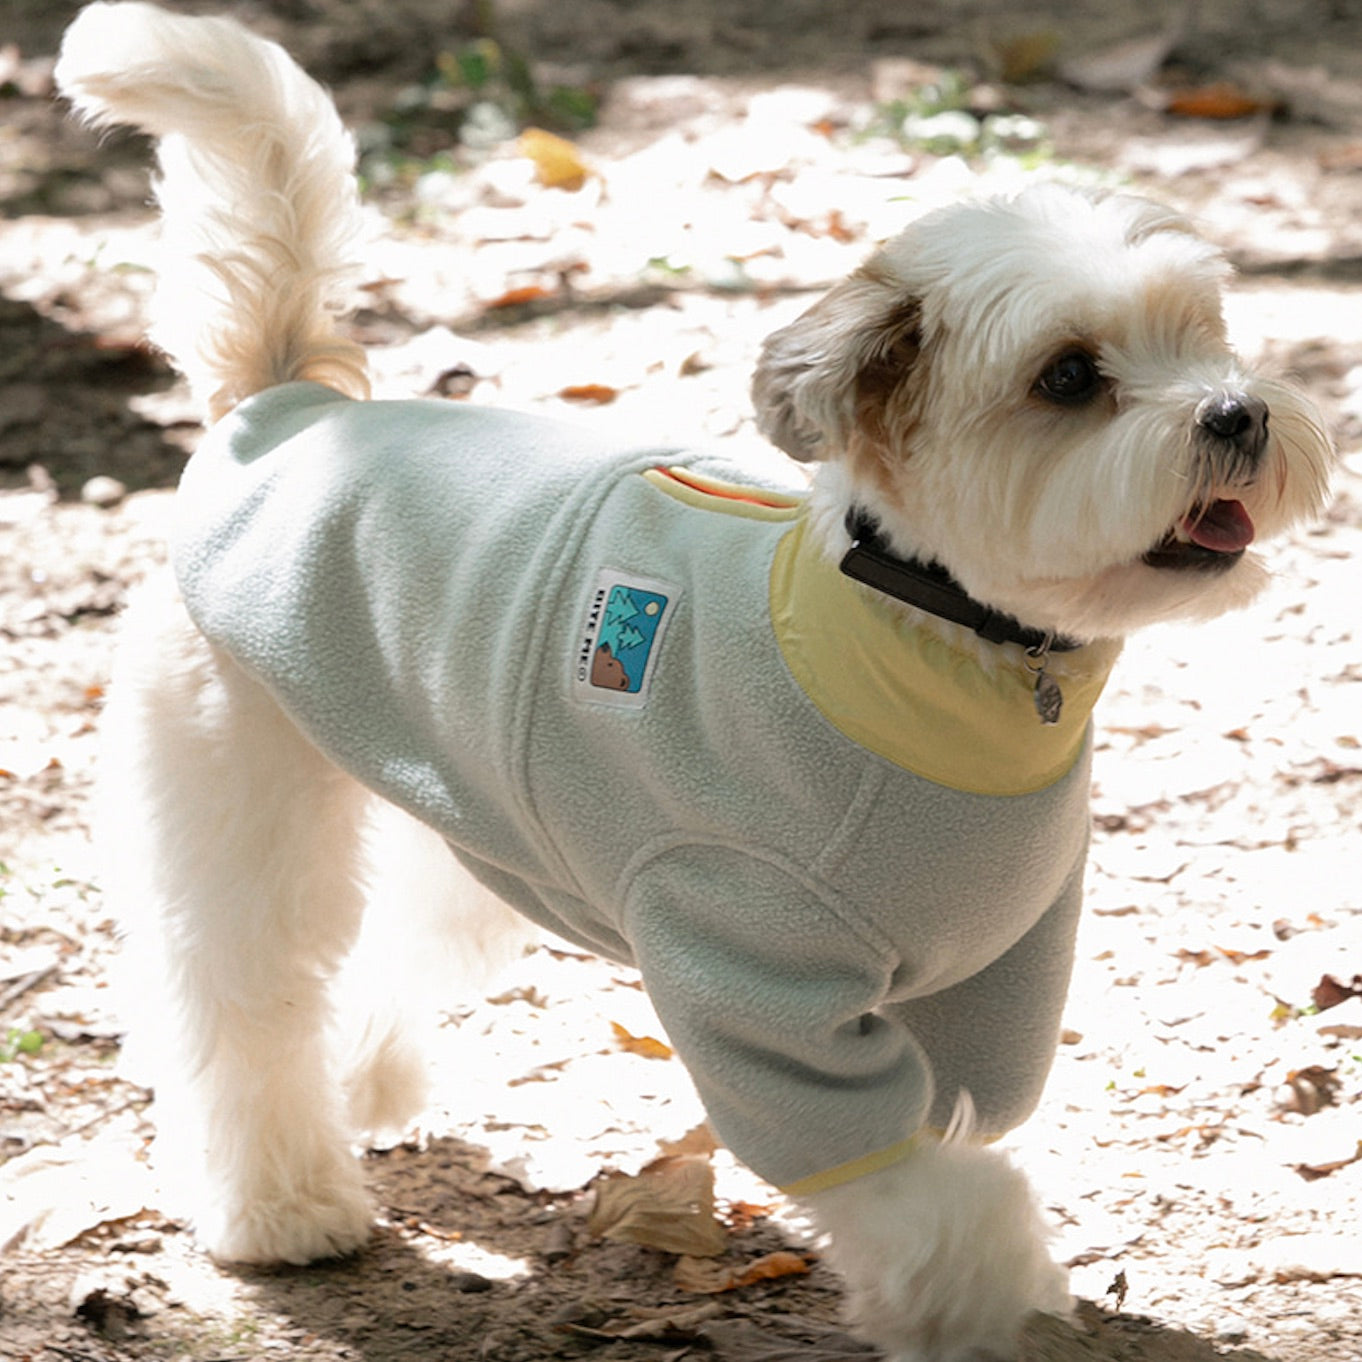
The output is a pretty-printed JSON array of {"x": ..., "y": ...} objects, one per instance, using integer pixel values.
[
  {"x": 943, "y": 1253},
  {"x": 777, "y": 1003},
  {"x": 233, "y": 843}
]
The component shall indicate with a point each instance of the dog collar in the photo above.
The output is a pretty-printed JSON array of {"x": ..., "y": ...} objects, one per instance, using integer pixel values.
[{"x": 929, "y": 587}]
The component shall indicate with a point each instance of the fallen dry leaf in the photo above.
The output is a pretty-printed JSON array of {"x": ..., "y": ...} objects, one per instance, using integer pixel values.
[
  {"x": 599, "y": 393},
  {"x": 699, "y": 1139},
  {"x": 678, "y": 1322},
  {"x": 520, "y": 994},
  {"x": 53, "y": 1194},
  {"x": 517, "y": 297},
  {"x": 1119, "y": 1288},
  {"x": 543, "y": 1073},
  {"x": 1221, "y": 100},
  {"x": 1330, "y": 992},
  {"x": 1313, "y": 1088},
  {"x": 1200, "y": 958},
  {"x": 1313, "y": 1171},
  {"x": 1206, "y": 1133},
  {"x": 742, "y": 1215},
  {"x": 709, "y": 1277},
  {"x": 668, "y": 1206},
  {"x": 649, "y": 1047},
  {"x": 1239, "y": 957},
  {"x": 557, "y": 162},
  {"x": 1209, "y": 955},
  {"x": 421, "y": 1226},
  {"x": 1328, "y": 772}
]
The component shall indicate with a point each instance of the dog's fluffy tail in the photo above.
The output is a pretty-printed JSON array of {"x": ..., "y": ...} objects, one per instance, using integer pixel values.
[{"x": 257, "y": 192}]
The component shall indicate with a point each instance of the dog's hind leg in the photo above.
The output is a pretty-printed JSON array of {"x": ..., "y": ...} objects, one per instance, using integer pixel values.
[
  {"x": 234, "y": 855},
  {"x": 433, "y": 937}
]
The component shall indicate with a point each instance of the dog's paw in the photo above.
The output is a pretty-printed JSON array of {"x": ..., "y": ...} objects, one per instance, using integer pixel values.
[
  {"x": 978, "y": 1318},
  {"x": 387, "y": 1087},
  {"x": 288, "y": 1225},
  {"x": 943, "y": 1255},
  {"x": 948, "y": 1330}
]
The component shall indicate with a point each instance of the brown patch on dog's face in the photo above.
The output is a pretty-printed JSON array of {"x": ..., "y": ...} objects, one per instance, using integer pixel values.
[
  {"x": 1018, "y": 388},
  {"x": 825, "y": 384},
  {"x": 882, "y": 404}
]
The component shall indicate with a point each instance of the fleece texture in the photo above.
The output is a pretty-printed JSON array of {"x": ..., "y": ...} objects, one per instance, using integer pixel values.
[{"x": 612, "y": 684}]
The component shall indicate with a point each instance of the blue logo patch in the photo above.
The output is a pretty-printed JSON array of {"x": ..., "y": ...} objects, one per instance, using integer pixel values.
[{"x": 617, "y": 654}]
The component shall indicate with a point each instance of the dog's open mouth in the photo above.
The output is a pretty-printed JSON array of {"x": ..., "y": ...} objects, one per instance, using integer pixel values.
[{"x": 1210, "y": 537}]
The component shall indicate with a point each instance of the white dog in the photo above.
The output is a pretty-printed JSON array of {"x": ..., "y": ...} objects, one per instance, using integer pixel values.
[{"x": 817, "y": 764}]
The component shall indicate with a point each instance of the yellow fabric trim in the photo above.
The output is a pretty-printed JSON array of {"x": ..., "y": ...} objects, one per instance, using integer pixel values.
[
  {"x": 728, "y": 498},
  {"x": 857, "y": 1168},
  {"x": 903, "y": 692},
  {"x": 873, "y": 1163}
]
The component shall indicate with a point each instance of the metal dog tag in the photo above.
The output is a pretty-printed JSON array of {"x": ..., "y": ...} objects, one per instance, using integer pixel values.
[{"x": 1047, "y": 698}]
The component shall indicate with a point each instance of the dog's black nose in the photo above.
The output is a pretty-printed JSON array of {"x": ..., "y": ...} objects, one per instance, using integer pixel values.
[{"x": 1237, "y": 418}]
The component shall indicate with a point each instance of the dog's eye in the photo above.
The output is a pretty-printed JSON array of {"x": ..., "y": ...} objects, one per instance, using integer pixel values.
[{"x": 1071, "y": 380}]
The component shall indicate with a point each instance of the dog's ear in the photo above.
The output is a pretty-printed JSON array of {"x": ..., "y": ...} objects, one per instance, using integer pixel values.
[{"x": 823, "y": 383}]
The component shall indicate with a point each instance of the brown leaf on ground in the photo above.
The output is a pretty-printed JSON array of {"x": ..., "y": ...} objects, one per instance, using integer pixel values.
[
  {"x": 1330, "y": 992},
  {"x": 517, "y": 297},
  {"x": 1239, "y": 957},
  {"x": 649, "y": 1047},
  {"x": 1208, "y": 955},
  {"x": 697, "y": 1140},
  {"x": 1313, "y": 1088},
  {"x": 742, "y": 1215},
  {"x": 668, "y": 1206},
  {"x": 598, "y": 394},
  {"x": 1200, "y": 958},
  {"x": 678, "y": 1323},
  {"x": 1311, "y": 1172},
  {"x": 1162, "y": 1089},
  {"x": 1219, "y": 100},
  {"x": 557, "y": 162},
  {"x": 709, "y": 1277}
]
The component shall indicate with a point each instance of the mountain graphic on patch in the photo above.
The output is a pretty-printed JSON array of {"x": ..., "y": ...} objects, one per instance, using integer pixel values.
[
  {"x": 628, "y": 631},
  {"x": 625, "y": 620}
]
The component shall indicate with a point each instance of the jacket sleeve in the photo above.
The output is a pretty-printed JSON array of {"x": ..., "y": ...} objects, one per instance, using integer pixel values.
[
  {"x": 773, "y": 1001},
  {"x": 994, "y": 1034}
]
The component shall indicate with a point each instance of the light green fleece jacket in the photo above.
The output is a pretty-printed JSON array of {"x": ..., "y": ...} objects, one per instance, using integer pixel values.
[{"x": 642, "y": 708}]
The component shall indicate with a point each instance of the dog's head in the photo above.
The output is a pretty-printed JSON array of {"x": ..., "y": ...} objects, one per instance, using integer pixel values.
[{"x": 1036, "y": 392}]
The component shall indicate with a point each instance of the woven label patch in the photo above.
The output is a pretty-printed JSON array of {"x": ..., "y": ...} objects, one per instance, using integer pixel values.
[{"x": 621, "y": 637}]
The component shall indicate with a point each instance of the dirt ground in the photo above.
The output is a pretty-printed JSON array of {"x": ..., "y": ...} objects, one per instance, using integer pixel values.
[{"x": 1199, "y": 1150}]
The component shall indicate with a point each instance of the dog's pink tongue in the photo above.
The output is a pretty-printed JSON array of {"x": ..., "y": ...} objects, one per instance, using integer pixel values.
[{"x": 1223, "y": 526}]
